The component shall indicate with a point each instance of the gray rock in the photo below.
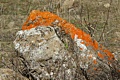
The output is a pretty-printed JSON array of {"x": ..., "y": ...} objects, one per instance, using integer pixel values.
[
  {"x": 38, "y": 44},
  {"x": 49, "y": 53}
]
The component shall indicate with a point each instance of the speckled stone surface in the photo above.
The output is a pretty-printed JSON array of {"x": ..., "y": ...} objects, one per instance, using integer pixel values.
[
  {"x": 45, "y": 51},
  {"x": 40, "y": 43}
]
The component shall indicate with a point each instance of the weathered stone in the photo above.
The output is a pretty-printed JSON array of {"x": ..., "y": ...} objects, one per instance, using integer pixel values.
[
  {"x": 39, "y": 46},
  {"x": 39, "y": 43},
  {"x": 46, "y": 50},
  {"x": 58, "y": 50},
  {"x": 8, "y": 74}
]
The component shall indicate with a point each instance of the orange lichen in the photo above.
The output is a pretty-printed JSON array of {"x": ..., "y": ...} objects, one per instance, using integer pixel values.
[
  {"x": 94, "y": 61},
  {"x": 100, "y": 55},
  {"x": 95, "y": 69},
  {"x": 109, "y": 54},
  {"x": 90, "y": 56},
  {"x": 95, "y": 45},
  {"x": 81, "y": 48},
  {"x": 118, "y": 70},
  {"x": 38, "y": 18}
]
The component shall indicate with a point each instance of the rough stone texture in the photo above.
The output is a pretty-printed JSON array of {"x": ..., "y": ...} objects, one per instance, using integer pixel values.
[
  {"x": 39, "y": 43},
  {"x": 49, "y": 53},
  {"x": 8, "y": 74},
  {"x": 52, "y": 48},
  {"x": 96, "y": 9}
]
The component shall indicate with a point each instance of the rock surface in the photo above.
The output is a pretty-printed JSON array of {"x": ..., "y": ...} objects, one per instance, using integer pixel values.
[
  {"x": 40, "y": 43},
  {"x": 49, "y": 53},
  {"x": 55, "y": 49}
]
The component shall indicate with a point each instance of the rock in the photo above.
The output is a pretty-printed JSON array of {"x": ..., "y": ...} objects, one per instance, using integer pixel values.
[
  {"x": 8, "y": 74},
  {"x": 37, "y": 18},
  {"x": 45, "y": 50},
  {"x": 51, "y": 48},
  {"x": 39, "y": 46},
  {"x": 40, "y": 43}
]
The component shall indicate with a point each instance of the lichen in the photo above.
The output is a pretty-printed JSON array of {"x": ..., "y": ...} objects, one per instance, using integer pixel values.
[{"x": 38, "y": 18}]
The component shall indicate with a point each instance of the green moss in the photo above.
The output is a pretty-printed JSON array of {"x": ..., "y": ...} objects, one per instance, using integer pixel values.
[{"x": 66, "y": 45}]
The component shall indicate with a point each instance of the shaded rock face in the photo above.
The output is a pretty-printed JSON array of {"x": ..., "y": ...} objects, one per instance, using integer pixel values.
[{"x": 8, "y": 74}]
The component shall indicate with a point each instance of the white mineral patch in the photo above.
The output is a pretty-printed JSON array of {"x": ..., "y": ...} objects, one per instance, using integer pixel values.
[
  {"x": 19, "y": 33},
  {"x": 79, "y": 43},
  {"x": 17, "y": 45},
  {"x": 94, "y": 58},
  {"x": 82, "y": 65}
]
